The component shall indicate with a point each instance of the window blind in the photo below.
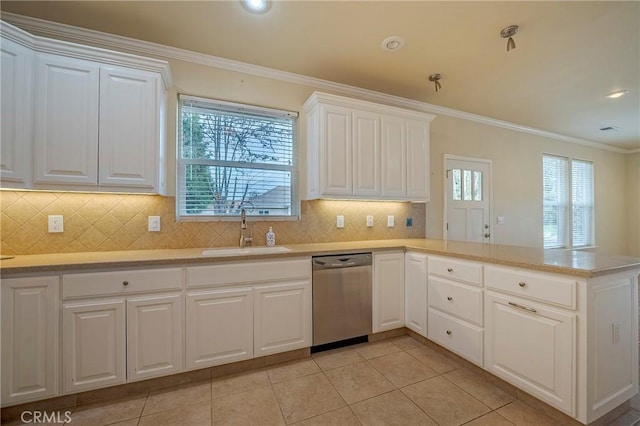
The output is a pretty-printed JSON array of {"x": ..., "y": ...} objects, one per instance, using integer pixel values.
[
  {"x": 582, "y": 203},
  {"x": 233, "y": 157},
  {"x": 555, "y": 201}
]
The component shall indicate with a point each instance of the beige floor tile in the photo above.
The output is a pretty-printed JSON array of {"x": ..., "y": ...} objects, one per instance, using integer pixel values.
[
  {"x": 341, "y": 417},
  {"x": 337, "y": 359},
  {"x": 306, "y": 397},
  {"x": 196, "y": 414},
  {"x": 522, "y": 414},
  {"x": 635, "y": 402},
  {"x": 389, "y": 409},
  {"x": 491, "y": 419},
  {"x": 629, "y": 418},
  {"x": 175, "y": 397},
  {"x": 444, "y": 402},
  {"x": 292, "y": 370},
  {"x": 357, "y": 382},
  {"x": 254, "y": 407},
  {"x": 239, "y": 383},
  {"x": 402, "y": 369},
  {"x": 406, "y": 342},
  {"x": 104, "y": 413},
  {"x": 132, "y": 422},
  {"x": 434, "y": 359},
  {"x": 480, "y": 388},
  {"x": 376, "y": 349}
]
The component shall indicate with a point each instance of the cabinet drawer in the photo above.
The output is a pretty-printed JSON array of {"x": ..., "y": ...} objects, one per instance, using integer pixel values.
[
  {"x": 459, "y": 300},
  {"x": 456, "y": 269},
  {"x": 458, "y": 336},
  {"x": 543, "y": 287},
  {"x": 121, "y": 282},
  {"x": 248, "y": 272}
]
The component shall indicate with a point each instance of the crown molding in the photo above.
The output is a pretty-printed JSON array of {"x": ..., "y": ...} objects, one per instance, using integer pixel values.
[{"x": 112, "y": 41}]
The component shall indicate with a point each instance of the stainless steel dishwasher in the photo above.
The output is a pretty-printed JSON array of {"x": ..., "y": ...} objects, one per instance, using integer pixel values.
[{"x": 341, "y": 297}]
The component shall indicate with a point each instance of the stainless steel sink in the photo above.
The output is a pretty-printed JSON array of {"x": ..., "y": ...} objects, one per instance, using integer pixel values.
[{"x": 237, "y": 251}]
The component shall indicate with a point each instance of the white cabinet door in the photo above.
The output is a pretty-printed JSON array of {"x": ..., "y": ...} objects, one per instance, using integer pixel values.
[
  {"x": 336, "y": 151},
  {"x": 415, "y": 287},
  {"x": 219, "y": 327},
  {"x": 282, "y": 317},
  {"x": 129, "y": 128},
  {"x": 394, "y": 157},
  {"x": 154, "y": 336},
  {"x": 388, "y": 291},
  {"x": 366, "y": 154},
  {"x": 66, "y": 121},
  {"x": 418, "y": 165},
  {"x": 94, "y": 345},
  {"x": 533, "y": 347},
  {"x": 16, "y": 116},
  {"x": 30, "y": 319}
]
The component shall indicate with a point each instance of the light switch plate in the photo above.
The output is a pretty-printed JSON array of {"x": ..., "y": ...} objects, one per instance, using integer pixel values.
[
  {"x": 56, "y": 223},
  {"x": 154, "y": 224},
  {"x": 340, "y": 221},
  {"x": 391, "y": 221},
  {"x": 500, "y": 220},
  {"x": 369, "y": 221}
]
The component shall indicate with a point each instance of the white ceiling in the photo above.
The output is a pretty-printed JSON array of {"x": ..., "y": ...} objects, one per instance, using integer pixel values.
[{"x": 569, "y": 55}]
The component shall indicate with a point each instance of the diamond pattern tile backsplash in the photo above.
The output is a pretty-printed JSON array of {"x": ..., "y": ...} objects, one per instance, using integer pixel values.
[{"x": 105, "y": 222}]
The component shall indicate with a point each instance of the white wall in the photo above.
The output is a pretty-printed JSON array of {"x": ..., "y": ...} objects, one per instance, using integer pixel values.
[{"x": 633, "y": 207}]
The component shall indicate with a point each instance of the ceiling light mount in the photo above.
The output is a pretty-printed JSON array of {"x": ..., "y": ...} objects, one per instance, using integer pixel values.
[
  {"x": 256, "y": 6},
  {"x": 435, "y": 78},
  {"x": 392, "y": 43},
  {"x": 617, "y": 94},
  {"x": 509, "y": 32}
]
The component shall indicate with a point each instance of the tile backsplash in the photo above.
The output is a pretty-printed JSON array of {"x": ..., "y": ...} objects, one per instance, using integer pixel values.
[{"x": 105, "y": 222}]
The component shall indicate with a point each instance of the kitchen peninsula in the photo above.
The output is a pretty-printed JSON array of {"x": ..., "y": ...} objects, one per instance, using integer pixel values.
[{"x": 561, "y": 325}]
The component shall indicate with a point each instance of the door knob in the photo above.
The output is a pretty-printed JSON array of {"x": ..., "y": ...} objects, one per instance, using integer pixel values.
[{"x": 487, "y": 235}]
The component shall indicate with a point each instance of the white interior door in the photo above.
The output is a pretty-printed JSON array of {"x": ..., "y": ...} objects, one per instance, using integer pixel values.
[{"x": 467, "y": 199}]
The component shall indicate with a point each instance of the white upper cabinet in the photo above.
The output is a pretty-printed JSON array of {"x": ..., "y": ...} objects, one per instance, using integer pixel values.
[
  {"x": 98, "y": 116},
  {"x": 16, "y": 114},
  {"x": 363, "y": 150},
  {"x": 66, "y": 121}
]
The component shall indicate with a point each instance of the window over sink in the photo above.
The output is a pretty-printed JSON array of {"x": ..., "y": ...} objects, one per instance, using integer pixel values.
[{"x": 233, "y": 157}]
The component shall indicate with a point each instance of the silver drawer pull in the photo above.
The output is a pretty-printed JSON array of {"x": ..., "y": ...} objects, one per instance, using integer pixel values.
[
  {"x": 125, "y": 282},
  {"x": 449, "y": 298},
  {"x": 449, "y": 269},
  {"x": 449, "y": 332},
  {"x": 515, "y": 305},
  {"x": 522, "y": 284}
]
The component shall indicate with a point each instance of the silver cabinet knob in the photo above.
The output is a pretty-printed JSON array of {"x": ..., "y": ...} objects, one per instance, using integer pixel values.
[
  {"x": 449, "y": 332},
  {"x": 449, "y": 298},
  {"x": 449, "y": 269},
  {"x": 125, "y": 282},
  {"x": 522, "y": 284}
]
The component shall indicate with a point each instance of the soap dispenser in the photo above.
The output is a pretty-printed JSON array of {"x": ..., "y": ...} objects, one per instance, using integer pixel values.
[{"x": 271, "y": 237}]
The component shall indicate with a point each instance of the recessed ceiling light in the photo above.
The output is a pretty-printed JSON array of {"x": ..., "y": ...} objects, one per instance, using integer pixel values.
[
  {"x": 256, "y": 6},
  {"x": 618, "y": 94},
  {"x": 392, "y": 43}
]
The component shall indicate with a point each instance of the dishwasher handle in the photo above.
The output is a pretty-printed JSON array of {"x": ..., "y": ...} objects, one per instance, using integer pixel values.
[{"x": 341, "y": 261}]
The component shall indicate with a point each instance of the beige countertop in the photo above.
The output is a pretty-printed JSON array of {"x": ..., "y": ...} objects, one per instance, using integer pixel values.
[{"x": 569, "y": 262}]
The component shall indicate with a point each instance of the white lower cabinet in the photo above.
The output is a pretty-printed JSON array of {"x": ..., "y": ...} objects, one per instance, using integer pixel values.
[
  {"x": 219, "y": 326},
  {"x": 415, "y": 291},
  {"x": 282, "y": 319},
  {"x": 30, "y": 342},
  {"x": 388, "y": 291},
  {"x": 456, "y": 335},
  {"x": 94, "y": 344},
  {"x": 533, "y": 347},
  {"x": 154, "y": 336}
]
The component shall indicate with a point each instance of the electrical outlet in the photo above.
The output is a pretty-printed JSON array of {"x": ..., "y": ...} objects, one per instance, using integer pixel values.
[
  {"x": 500, "y": 220},
  {"x": 369, "y": 221},
  {"x": 56, "y": 223},
  {"x": 390, "y": 221},
  {"x": 154, "y": 224},
  {"x": 340, "y": 221}
]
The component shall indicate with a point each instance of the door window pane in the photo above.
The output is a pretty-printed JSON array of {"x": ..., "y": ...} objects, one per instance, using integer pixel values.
[
  {"x": 457, "y": 185},
  {"x": 477, "y": 186},
  {"x": 467, "y": 185}
]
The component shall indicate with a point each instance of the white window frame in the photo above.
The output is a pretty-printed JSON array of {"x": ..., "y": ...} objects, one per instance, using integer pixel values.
[
  {"x": 181, "y": 163},
  {"x": 568, "y": 215}
]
